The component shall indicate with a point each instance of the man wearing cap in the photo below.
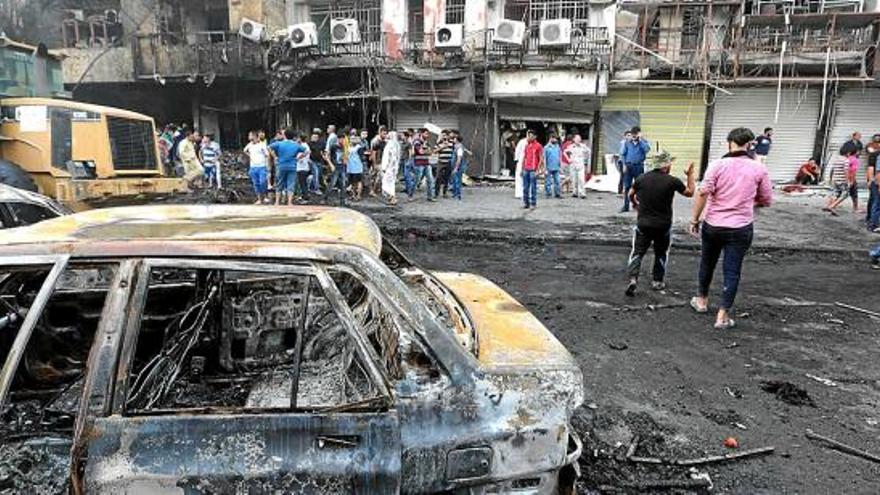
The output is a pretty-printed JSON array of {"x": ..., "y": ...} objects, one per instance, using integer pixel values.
[{"x": 652, "y": 195}]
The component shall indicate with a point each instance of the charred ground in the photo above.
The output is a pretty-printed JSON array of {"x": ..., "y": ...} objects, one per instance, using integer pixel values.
[{"x": 656, "y": 371}]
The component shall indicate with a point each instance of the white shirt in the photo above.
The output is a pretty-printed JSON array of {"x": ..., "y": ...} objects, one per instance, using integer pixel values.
[
  {"x": 578, "y": 154},
  {"x": 258, "y": 153},
  {"x": 520, "y": 153}
]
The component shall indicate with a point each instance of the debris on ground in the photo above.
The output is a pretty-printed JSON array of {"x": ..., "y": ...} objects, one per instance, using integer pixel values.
[
  {"x": 704, "y": 460},
  {"x": 823, "y": 381},
  {"x": 735, "y": 393},
  {"x": 857, "y": 309},
  {"x": 842, "y": 447},
  {"x": 617, "y": 345},
  {"x": 788, "y": 392},
  {"x": 731, "y": 443}
]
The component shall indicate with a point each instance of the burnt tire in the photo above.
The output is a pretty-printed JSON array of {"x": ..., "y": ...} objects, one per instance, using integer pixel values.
[{"x": 15, "y": 176}]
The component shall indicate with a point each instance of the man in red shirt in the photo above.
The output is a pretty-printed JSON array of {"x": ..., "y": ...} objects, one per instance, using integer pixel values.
[{"x": 533, "y": 162}]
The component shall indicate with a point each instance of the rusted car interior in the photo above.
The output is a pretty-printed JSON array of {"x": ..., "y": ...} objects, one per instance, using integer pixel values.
[{"x": 321, "y": 371}]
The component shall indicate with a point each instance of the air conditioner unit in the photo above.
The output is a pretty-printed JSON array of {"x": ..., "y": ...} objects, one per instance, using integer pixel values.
[
  {"x": 251, "y": 30},
  {"x": 74, "y": 14},
  {"x": 448, "y": 36},
  {"x": 509, "y": 32},
  {"x": 556, "y": 32},
  {"x": 345, "y": 31},
  {"x": 302, "y": 35}
]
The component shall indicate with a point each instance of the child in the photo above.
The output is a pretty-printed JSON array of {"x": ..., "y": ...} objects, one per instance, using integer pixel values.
[{"x": 356, "y": 167}]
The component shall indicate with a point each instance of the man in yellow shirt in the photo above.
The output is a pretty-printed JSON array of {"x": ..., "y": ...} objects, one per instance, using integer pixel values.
[{"x": 192, "y": 169}]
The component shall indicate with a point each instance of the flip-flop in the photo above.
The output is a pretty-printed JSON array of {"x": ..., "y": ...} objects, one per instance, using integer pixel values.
[
  {"x": 696, "y": 306},
  {"x": 727, "y": 325}
]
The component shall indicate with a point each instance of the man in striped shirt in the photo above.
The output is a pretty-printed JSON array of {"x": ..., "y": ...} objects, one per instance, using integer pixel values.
[{"x": 210, "y": 154}]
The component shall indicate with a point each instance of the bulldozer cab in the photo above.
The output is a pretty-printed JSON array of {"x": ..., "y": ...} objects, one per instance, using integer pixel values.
[{"x": 74, "y": 152}]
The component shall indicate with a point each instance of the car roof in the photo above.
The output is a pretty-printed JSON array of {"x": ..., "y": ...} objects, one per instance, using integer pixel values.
[
  {"x": 207, "y": 225},
  {"x": 9, "y": 194}
]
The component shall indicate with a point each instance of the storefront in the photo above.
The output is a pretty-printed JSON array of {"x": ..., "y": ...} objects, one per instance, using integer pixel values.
[
  {"x": 855, "y": 109},
  {"x": 795, "y": 126},
  {"x": 671, "y": 119}
]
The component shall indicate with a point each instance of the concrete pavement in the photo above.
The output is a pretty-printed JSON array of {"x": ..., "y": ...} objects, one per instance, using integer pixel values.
[{"x": 492, "y": 213}]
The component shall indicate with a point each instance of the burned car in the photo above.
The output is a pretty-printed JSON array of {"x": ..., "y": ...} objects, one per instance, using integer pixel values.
[
  {"x": 19, "y": 207},
  {"x": 227, "y": 349}
]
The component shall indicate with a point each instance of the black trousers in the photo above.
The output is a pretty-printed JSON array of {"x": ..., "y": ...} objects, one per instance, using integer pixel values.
[
  {"x": 302, "y": 183},
  {"x": 643, "y": 239},
  {"x": 442, "y": 183}
]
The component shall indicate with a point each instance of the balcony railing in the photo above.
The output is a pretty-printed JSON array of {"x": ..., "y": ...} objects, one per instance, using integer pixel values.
[
  {"x": 587, "y": 44},
  {"x": 207, "y": 53}
]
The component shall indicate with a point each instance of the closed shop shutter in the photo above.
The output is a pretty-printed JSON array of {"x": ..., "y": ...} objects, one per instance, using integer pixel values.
[
  {"x": 794, "y": 133},
  {"x": 672, "y": 119},
  {"x": 414, "y": 115},
  {"x": 855, "y": 109}
]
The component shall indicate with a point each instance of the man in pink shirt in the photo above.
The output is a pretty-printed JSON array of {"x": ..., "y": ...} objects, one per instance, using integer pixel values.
[{"x": 731, "y": 189}]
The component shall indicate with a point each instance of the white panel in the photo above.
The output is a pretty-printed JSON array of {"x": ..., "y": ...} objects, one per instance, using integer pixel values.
[
  {"x": 794, "y": 133},
  {"x": 412, "y": 115},
  {"x": 856, "y": 109},
  {"x": 531, "y": 83}
]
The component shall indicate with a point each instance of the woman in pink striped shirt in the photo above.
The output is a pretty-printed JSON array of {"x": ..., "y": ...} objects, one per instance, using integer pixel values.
[{"x": 731, "y": 189}]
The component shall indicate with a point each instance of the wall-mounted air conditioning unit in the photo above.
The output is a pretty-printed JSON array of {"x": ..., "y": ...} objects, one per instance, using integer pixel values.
[
  {"x": 303, "y": 35},
  {"x": 509, "y": 32},
  {"x": 448, "y": 36},
  {"x": 344, "y": 31},
  {"x": 251, "y": 30},
  {"x": 556, "y": 32}
]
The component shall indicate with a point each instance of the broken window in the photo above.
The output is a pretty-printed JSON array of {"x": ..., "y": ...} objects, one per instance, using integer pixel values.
[
  {"x": 400, "y": 353},
  {"x": 214, "y": 339},
  {"x": 39, "y": 411}
]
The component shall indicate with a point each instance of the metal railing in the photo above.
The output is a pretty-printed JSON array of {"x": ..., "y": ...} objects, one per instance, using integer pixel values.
[
  {"x": 587, "y": 43},
  {"x": 215, "y": 53}
]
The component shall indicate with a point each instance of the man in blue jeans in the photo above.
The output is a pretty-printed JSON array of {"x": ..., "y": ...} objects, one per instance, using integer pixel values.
[
  {"x": 459, "y": 165},
  {"x": 872, "y": 213},
  {"x": 421, "y": 163},
  {"x": 633, "y": 154},
  {"x": 533, "y": 163},
  {"x": 553, "y": 164}
]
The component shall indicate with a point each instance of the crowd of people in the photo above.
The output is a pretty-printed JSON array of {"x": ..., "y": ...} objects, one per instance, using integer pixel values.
[
  {"x": 297, "y": 167},
  {"x": 345, "y": 165}
]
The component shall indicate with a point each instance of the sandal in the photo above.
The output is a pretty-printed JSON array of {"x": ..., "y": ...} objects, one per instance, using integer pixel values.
[
  {"x": 725, "y": 325},
  {"x": 695, "y": 304}
]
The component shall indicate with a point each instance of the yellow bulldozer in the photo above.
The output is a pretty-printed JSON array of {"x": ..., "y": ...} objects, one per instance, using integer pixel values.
[{"x": 74, "y": 152}]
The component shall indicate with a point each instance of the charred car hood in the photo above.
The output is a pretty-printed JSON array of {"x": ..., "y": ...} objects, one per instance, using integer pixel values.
[{"x": 507, "y": 334}]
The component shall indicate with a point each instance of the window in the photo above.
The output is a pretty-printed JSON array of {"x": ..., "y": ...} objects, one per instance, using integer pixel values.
[
  {"x": 415, "y": 20},
  {"x": 455, "y": 11},
  {"x": 251, "y": 340},
  {"x": 401, "y": 354},
  {"x": 44, "y": 397}
]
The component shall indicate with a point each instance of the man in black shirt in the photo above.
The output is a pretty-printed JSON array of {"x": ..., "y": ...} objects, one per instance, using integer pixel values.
[{"x": 652, "y": 195}]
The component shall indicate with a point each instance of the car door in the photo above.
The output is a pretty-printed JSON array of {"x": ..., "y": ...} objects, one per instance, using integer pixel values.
[
  {"x": 50, "y": 314},
  {"x": 238, "y": 377}
]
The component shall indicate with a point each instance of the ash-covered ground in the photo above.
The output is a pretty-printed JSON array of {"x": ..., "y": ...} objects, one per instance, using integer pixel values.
[{"x": 657, "y": 371}]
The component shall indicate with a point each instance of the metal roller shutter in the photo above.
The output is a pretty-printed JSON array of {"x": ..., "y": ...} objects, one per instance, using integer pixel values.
[
  {"x": 794, "y": 132},
  {"x": 412, "y": 115},
  {"x": 855, "y": 109},
  {"x": 671, "y": 119}
]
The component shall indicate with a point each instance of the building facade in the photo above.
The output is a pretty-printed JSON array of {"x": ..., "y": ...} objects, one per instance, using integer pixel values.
[{"x": 685, "y": 71}]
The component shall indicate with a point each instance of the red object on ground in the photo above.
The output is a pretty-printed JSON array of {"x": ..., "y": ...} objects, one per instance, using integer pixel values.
[{"x": 731, "y": 443}]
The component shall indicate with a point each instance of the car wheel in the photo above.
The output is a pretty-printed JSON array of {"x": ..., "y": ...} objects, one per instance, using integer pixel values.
[{"x": 15, "y": 176}]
